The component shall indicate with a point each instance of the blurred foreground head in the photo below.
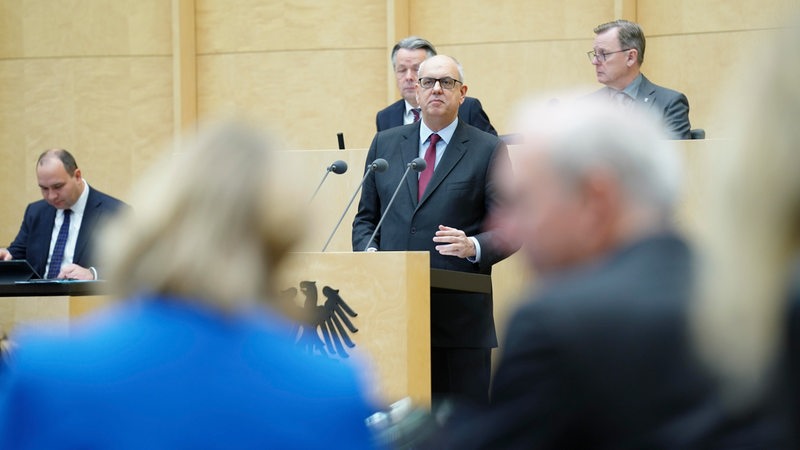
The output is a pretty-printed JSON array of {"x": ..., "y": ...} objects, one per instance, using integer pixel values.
[
  {"x": 211, "y": 223},
  {"x": 751, "y": 220},
  {"x": 589, "y": 178}
]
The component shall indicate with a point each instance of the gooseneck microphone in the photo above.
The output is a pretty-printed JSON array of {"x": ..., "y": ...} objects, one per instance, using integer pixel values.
[
  {"x": 418, "y": 165},
  {"x": 379, "y": 165},
  {"x": 338, "y": 167}
]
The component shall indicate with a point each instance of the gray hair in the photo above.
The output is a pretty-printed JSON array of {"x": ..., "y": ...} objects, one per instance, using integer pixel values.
[
  {"x": 458, "y": 67},
  {"x": 630, "y": 35},
  {"x": 586, "y": 135},
  {"x": 412, "y": 43}
]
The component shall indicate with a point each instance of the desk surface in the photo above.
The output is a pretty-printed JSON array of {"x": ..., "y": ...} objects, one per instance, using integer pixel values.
[{"x": 54, "y": 289}]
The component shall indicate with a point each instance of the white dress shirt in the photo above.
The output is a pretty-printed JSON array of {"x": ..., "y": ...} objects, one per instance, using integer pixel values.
[{"x": 75, "y": 220}]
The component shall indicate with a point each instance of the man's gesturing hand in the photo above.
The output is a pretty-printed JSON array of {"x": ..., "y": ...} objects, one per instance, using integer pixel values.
[{"x": 455, "y": 243}]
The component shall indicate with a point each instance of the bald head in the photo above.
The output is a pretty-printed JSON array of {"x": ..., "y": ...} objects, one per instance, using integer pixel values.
[{"x": 440, "y": 91}]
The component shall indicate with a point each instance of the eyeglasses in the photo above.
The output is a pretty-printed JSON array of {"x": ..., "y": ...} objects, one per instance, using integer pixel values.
[
  {"x": 445, "y": 83},
  {"x": 601, "y": 56}
]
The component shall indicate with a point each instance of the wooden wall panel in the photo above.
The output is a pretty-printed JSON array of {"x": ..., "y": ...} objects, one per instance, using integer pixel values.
[
  {"x": 703, "y": 66},
  {"x": 307, "y": 69},
  {"x": 43, "y": 28},
  {"x": 306, "y": 96},
  {"x": 500, "y": 75},
  {"x": 659, "y": 17},
  {"x": 480, "y": 21},
  {"x": 257, "y": 25}
]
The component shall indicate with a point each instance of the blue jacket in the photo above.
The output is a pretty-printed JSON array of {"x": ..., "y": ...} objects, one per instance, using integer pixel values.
[{"x": 163, "y": 373}]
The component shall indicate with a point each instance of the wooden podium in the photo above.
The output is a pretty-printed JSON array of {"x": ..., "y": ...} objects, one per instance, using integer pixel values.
[{"x": 390, "y": 293}]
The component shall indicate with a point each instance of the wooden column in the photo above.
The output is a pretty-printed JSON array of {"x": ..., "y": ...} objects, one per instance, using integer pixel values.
[
  {"x": 184, "y": 69},
  {"x": 397, "y": 27},
  {"x": 625, "y": 9}
]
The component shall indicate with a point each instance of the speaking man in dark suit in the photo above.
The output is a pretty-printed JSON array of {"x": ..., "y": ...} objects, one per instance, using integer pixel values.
[
  {"x": 407, "y": 55},
  {"x": 601, "y": 356},
  {"x": 444, "y": 211},
  {"x": 56, "y": 232},
  {"x": 617, "y": 56}
]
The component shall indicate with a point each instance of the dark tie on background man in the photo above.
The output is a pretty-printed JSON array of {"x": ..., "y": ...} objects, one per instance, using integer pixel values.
[
  {"x": 415, "y": 112},
  {"x": 58, "y": 249},
  {"x": 430, "y": 161}
]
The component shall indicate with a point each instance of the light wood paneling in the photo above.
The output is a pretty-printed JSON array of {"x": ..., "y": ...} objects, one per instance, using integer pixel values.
[
  {"x": 306, "y": 96},
  {"x": 479, "y": 21},
  {"x": 45, "y": 28},
  {"x": 528, "y": 68},
  {"x": 702, "y": 66},
  {"x": 659, "y": 17},
  {"x": 257, "y": 25}
]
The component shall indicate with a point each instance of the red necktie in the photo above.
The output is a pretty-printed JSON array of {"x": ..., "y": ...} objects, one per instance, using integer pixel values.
[
  {"x": 430, "y": 161},
  {"x": 415, "y": 112}
]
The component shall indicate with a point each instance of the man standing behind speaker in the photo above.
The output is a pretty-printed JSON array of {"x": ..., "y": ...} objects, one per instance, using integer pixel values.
[
  {"x": 407, "y": 55},
  {"x": 444, "y": 211}
]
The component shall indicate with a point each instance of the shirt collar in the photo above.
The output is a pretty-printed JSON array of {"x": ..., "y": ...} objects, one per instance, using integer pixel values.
[
  {"x": 631, "y": 90},
  {"x": 445, "y": 133},
  {"x": 408, "y": 107},
  {"x": 80, "y": 205}
]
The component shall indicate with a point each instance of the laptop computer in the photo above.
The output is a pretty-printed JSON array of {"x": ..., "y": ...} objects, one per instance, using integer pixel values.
[{"x": 17, "y": 270}]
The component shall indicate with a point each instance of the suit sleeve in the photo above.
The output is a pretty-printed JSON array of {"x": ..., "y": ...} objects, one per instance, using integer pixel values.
[
  {"x": 497, "y": 243},
  {"x": 19, "y": 247},
  {"x": 479, "y": 119},
  {"x": 529, "y": 401},
  {"x": 676, "y": 117},
  {"x": 369, "y": 207}
]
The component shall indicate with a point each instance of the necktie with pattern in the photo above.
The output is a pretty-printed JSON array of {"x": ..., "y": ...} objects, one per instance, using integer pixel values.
[{"x": 58, "y": 249}]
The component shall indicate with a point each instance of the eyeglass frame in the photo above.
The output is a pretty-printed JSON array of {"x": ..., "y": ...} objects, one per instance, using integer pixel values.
[
  {"x": 592, "y": 54},
  {"x": 441, "y": 82}
]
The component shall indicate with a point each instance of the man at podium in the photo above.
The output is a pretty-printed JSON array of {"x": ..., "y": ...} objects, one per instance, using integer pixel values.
[{"x": 443, "y": 210}]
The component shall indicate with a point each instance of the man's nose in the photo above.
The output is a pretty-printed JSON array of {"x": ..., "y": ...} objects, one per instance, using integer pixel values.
[
  {"x": 411, "y": 75},
  {"x": 437, "y": 86}
]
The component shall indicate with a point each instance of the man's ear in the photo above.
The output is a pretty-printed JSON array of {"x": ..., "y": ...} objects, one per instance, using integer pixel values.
[
  {"x": 633, "y": 57},
  {"x": 463, "y": 93},
  {"x": 77, "y": 175},
  {"x": 602, "y": 202}
]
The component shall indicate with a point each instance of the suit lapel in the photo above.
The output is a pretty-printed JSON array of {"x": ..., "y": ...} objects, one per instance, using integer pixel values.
[
  {"x": 647, "y": 93},
  {"x": 90, "y": 214},
  {"x": 410, "y": 151},
  {"x": 453, "y": 153}
]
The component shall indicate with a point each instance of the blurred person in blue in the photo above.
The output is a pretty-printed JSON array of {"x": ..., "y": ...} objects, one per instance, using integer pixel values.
[{"x": 196, "y": 356}]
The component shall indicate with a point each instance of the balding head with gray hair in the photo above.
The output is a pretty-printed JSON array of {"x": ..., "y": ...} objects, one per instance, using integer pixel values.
[{"x": 593, "y": 177}]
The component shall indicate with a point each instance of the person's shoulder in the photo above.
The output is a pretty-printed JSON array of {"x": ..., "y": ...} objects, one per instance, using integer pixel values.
[
  {"x": 106, "y": 200},
  {"x": 392, "y": 108},
  {"x": 648, "y": 86},
  {"x": 38, "y": 207},
  {"x": 478, "y": 136}
]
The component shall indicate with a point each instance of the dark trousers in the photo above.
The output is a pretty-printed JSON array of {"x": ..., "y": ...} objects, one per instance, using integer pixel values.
[{"x": 461, "y": 374}]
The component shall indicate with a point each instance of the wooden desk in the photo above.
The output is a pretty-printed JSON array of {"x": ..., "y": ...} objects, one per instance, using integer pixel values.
[{"x": 51, "y": 304}]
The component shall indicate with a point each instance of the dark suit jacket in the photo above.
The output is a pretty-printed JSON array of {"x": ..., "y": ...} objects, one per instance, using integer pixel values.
[
  {"x": 602, "y": 359},
  {"x": 459, "y": 195},
  {"x": 673, "y": 107},
  {"x": 471, "y": 112},
  {"x": 33, "y": 240}
]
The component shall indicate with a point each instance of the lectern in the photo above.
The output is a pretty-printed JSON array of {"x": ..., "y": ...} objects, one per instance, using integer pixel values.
[{"x": 389, "y": 296}]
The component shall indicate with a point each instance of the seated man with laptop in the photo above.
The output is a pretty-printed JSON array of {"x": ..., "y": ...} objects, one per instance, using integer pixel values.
[{"x": 55, "y": 235}]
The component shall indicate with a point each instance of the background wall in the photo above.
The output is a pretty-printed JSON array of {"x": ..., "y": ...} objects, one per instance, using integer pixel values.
[{"x": 115, "y": 81}]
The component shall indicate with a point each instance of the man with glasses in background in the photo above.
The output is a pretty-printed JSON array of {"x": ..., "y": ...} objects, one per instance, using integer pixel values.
[
  {"x": 407, "y": 55},
  {"x": 617, "y": 57},
  {"x": 443, "y": 210}
]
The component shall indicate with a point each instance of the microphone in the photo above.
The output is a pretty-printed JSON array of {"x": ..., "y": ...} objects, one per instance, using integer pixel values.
[
  {"x": 379, "y": 165},
  {"x": 340, "y": 138},
  {"x": 338, "y": 167},
  {"x": 418, "y": 165}
]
